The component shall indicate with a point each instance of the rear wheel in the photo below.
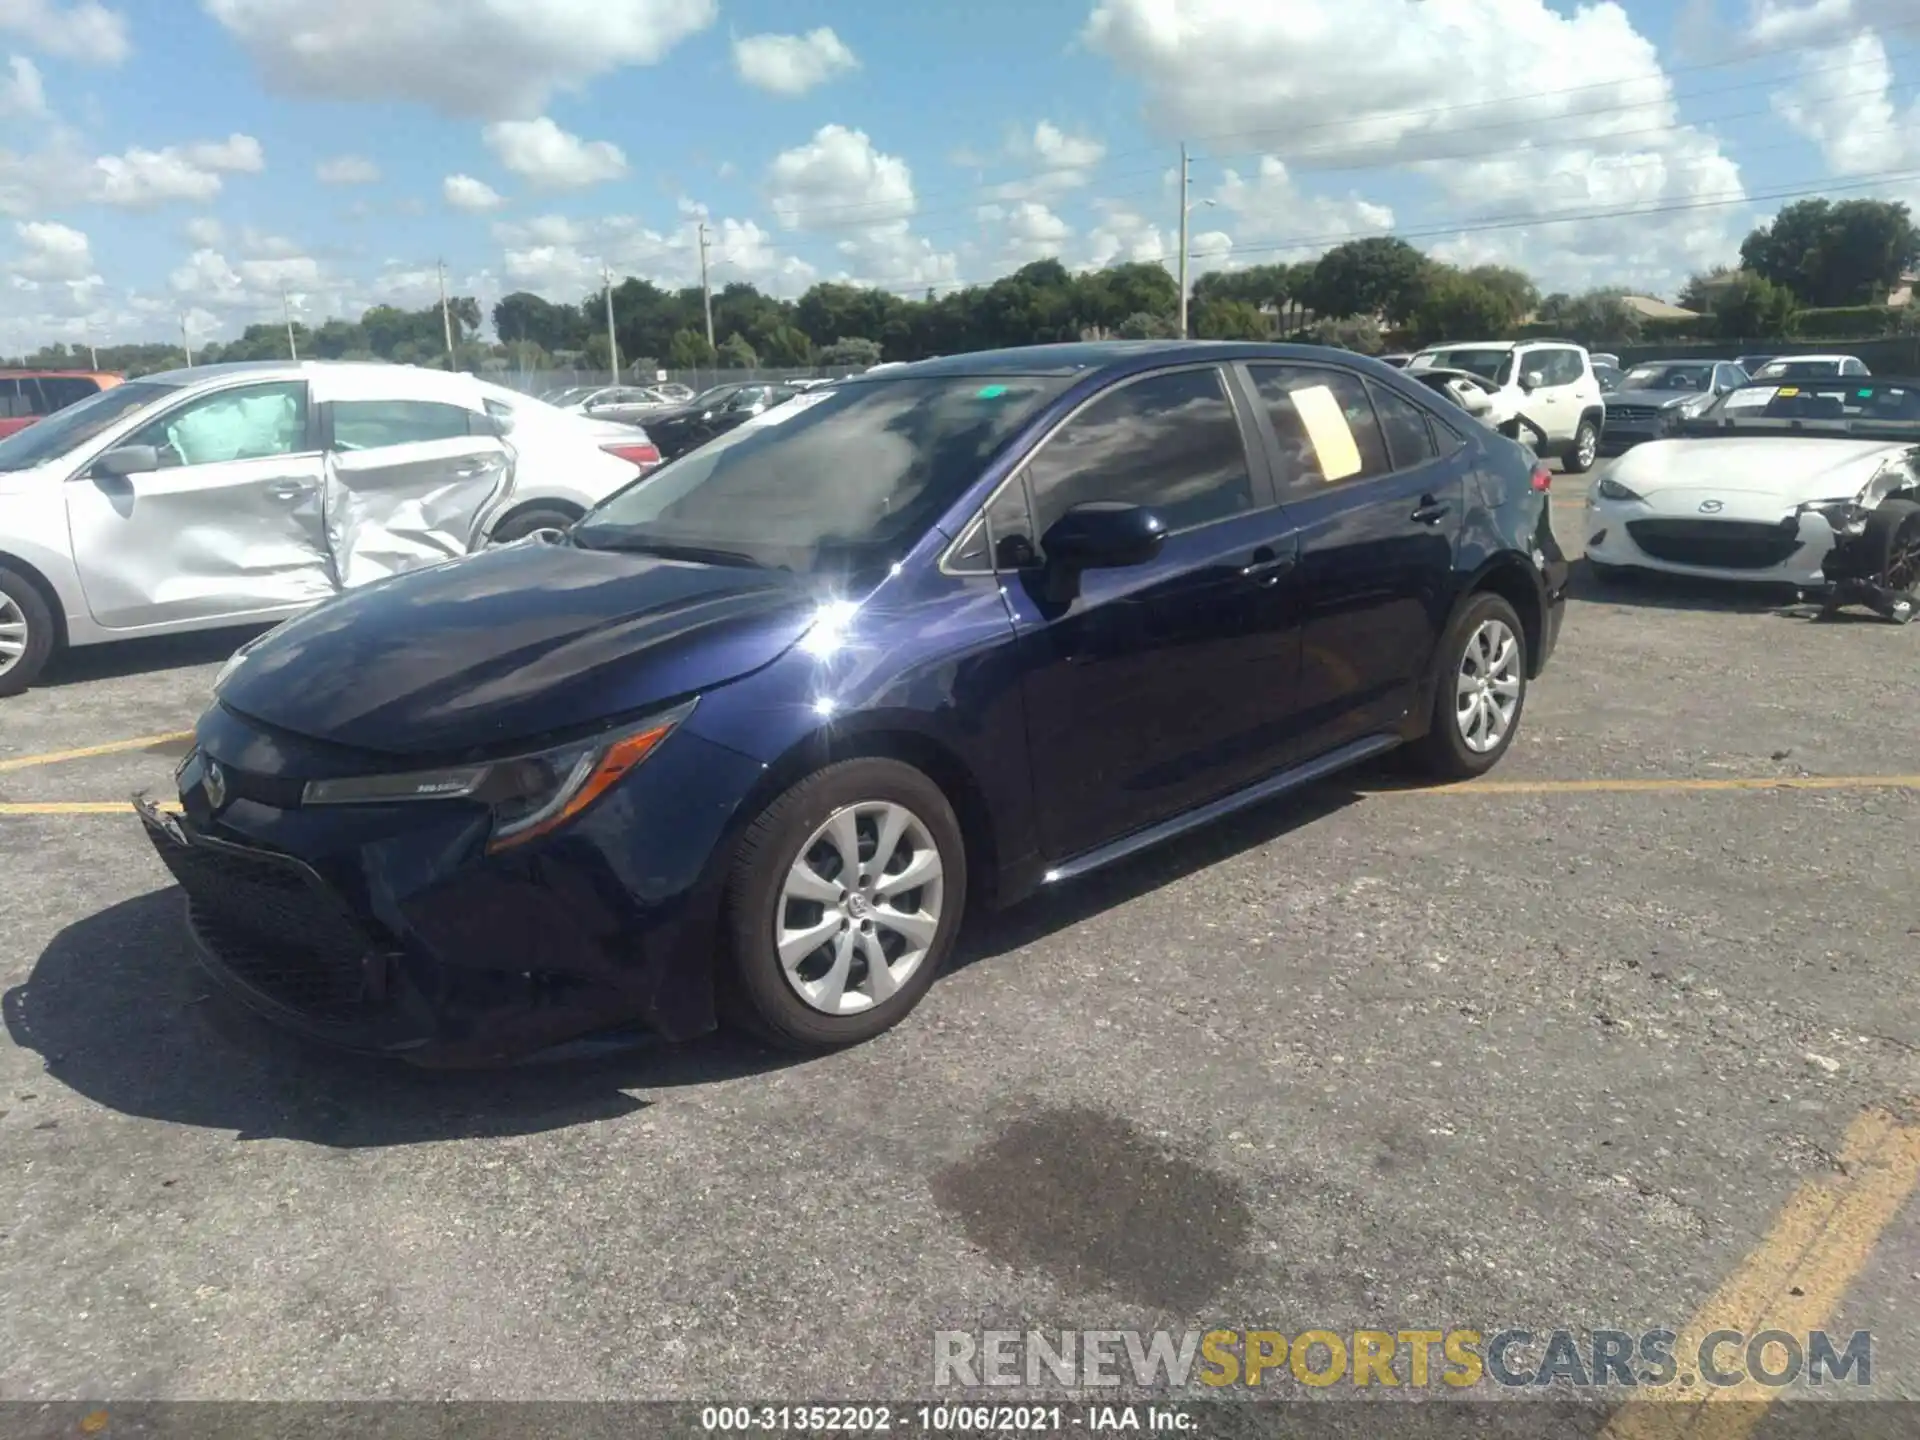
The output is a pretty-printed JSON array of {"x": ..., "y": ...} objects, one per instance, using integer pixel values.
[
  {"x": 26, "y": 632},
  {"x": 519, "y": 526},
  {"x": 1585, "y": 451},
  {"x": 1482, "y": 690},
  {"x": 845, "y": 898}
]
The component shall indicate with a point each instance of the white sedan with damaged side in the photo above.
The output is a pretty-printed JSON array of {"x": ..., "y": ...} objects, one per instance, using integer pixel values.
[{"x": 1815, "y": 485}]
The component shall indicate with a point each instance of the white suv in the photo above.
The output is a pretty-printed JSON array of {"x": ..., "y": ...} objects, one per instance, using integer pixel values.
[{"x": 1548, "y": 382}]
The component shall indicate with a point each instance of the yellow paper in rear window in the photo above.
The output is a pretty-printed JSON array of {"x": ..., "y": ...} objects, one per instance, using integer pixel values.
[{"x": 1319, "y": 410}]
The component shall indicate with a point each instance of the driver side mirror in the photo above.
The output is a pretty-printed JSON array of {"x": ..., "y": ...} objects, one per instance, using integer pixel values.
[
  {"x": 127, "y": 460},
  {"x": 1099, "y": 535},
  {"x": 498, "y": 426},
  {"x": 1532, "y": 381}
]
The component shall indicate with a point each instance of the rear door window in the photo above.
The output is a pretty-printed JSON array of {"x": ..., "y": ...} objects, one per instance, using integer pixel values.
[
  {"x": 376, "y": 424},
  {"x": 1325, "y": 425},
  {"x": 60, "y": 391},
  {"x": 1403, "y": 425}
]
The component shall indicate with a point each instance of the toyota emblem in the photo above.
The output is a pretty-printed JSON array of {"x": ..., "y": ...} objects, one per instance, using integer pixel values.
[
  {"x": 1711, "y": 507},
  {"x": 215, "y": 784}
]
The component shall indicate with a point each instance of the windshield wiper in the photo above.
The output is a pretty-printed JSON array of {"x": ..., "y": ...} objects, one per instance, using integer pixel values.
[{"x": 637, "y": 544}]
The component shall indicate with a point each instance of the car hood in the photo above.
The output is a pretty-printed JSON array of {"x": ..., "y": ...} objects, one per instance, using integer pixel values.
[
  {"x": 1794, "y": 469},
  {"x": 505, "y": 645}
]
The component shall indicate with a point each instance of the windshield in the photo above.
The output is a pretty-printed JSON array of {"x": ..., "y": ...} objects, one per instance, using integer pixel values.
[
  {"x": 1488, "y": 364},
  {"x": 1847, "y": 398},
  {"x": 715, "y": 395},
  {"x": 841, "y": 481},
  {"x": 74, "y": 426},
  {"x": 1797, "y": 369},
  {"x": 1668, "y": 377}
]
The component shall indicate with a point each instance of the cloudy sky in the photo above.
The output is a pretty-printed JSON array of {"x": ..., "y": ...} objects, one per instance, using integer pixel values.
[{"x": 161, "y": 158}]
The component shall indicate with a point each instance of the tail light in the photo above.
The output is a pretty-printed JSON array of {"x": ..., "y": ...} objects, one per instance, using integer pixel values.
[
  {"x": 1542, "y": 478},
  {"x": 644, "y": 454}
]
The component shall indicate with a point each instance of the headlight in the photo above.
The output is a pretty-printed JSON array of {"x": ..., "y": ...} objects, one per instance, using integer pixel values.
[
  {"x": 1846, "y": 517},
  {"x": 530, "y": 795},
  {"x": 1690, "y": 408},
  {"x": 1611, "y": 489}
]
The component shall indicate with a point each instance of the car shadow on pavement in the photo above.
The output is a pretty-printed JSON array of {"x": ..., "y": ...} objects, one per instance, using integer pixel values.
[
  {"x": 123, "y": 658},
  {"x": 1064, "y": 906},
  {"x": 1652, "y": 590},
  {"x": 119, "y": 1011}
]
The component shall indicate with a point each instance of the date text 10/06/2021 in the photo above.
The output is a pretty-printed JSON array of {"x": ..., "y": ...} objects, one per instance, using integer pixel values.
[{"x": 961, "y": 1419}]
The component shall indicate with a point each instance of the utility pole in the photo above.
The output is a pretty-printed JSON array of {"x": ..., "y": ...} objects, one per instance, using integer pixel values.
[
  {"x": 613, "y": 342},
  {"x": 186, "y": 341},
  {"x": 286, "y": 308},
  {"x": 1186, "y": 204},
  {"x": 446, "y": 314},
  {"x": 706, "y": 290}
]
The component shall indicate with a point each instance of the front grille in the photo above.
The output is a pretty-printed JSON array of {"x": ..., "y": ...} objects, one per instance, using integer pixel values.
[
  {"x": 275, "y": 790},
  {"x": 1633, "y": 414},
  {"x": 1717, "y": 544},
  {"x": 275, "y": 924}
]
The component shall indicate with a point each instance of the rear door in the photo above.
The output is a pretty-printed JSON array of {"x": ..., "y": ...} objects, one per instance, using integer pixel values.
[
  {"x": 1375, "y": 487},
  {"x": 409, "y": 482},
  {"x": 229, "y": 525}
]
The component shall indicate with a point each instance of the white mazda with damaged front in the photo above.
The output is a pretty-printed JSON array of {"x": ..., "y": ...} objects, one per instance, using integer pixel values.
[{"x": 1816, "y": 486}]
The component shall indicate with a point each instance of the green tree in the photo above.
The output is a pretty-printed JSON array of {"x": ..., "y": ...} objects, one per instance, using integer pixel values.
[
  {"x": 786, "y": 345},
  {"x": 1382, "y": 275},
  {"x": 1230, "y": 320},
  {"x": 689, "y": 350},
  {"x": 1752, "y": 307},
  {"x": 1514, "y": 287},
  {"x": 524, "y": 317},
  {"x": 1465, "y": 306},
  {"x": 1145, "y": 325},
  {"x": 1599, "y": 315},
  {"x": 737, "y": 353},
  {"x": 851, "y": 350},
  {"x": 1349, "y": 332},
  {"x": 1701, "y": 291},
  {"x": 1827, "y": 254}
]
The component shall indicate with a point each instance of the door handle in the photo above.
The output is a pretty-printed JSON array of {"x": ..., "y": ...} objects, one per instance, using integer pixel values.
[
  {"x": 1429, "y": 511},
  {"x": 1266, "y": 567},
  {"x": 288, "y": 489},
  {"x": 468, "y": 472}
]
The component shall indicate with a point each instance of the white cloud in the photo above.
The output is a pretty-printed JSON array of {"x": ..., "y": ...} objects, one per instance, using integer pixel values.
[
  {"x": 22, "y": 94},
  {"x": 1340, "y": 85},
  {"x": 52, "y": 251},
  {"x": 1125, "y": 236},
  {"x": 205, "y": 232},
  {"x": 791, "y": 65},
  {"x": 140, "y": 179},
  {"x": 1030, "y": 232},
  {"x": 210, "y": 281},
  {"x": 560, "y": 258},
  {"x": 551, "y": 158},
  {"x": 346, "y": 170},
  {"x": 1782, "y": 24},
  {"x": 1270, "y": 206},
  {"x": 463, "y": 192},
  {"x": 495, "y": 60},
  {"x": 838, "y": 182},
  {"x": 1060, "y": 161},
  {"x": 85, "y": 31}
]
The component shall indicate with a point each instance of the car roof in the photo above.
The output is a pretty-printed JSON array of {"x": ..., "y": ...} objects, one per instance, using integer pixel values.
[
  {"x": 1116, "y": 356},
  {"x": 285, "y": 369},
  {"x": 27, "y": 373},
  {"x": 1679, "y": 360},
  {"x": 1784, "y": 358}
]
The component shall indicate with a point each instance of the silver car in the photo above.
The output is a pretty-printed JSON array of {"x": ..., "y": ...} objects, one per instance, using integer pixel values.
[{"x": 242, "y": 494}]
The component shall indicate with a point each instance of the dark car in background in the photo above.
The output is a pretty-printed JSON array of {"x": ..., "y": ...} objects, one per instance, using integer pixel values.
[
  {"x": 30, "y": 395},
  {"x": 678, "y": 429},
  {"x": 1653, "y": 397},
  {"x": 754, "y": 736}
]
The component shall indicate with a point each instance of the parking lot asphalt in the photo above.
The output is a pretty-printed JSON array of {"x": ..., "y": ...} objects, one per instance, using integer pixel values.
[{"x": 1566, "y": 1048}]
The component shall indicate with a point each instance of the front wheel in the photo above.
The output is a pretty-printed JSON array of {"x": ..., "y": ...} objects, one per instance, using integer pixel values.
[
  {"x": 1482, "y": 690},
  {"x": 26, "y": 633},
  {"x": 518, "y": 527},
  {"x": 1585, "y": 451},
  {"x": 845, "y": 898}
]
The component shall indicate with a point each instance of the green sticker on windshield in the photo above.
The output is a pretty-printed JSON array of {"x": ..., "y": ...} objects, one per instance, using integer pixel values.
[
  {"x": 991, "y": 392},
  {"x": 1864, "y": 394}
]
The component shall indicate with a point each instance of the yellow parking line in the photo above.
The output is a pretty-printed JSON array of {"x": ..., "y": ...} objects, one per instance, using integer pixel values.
[
  {"x": 1653, "y": 786},
  {"x": 1794, "y": 1280},
  {"x": 76, "y": 807},
  {"x": 114, "y": 747}
]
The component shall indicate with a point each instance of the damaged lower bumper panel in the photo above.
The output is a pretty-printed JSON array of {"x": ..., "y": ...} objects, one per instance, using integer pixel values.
[{"x": 279, "y": 937}]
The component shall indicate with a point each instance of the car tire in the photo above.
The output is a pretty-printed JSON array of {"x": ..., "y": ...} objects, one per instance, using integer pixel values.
[
  {"x": 1476, "y": 644},
  {"x": 1890, "y": 545},
  {"x": 26, "y": 632},
  {"x": 769, "y": 896},
  {"x": 518, "y": 527},
  {"x": 1584, "y": 451}
]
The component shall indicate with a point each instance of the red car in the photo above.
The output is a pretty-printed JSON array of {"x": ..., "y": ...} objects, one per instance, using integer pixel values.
[{"x": 30, "y": 395}]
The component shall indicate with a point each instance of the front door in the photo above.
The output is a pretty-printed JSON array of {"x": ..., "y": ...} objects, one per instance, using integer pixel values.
[
  {"x": 1163, "y": 685},
  {"x": 229, "y": 525},
  {"x": 1555, "y": 404},
  {"x": 408, "y": 485},
  {"x": 1376, "y": 486}
]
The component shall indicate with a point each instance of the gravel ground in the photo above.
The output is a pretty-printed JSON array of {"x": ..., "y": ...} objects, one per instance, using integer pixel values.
[{"x": 1532, "y": 1056}]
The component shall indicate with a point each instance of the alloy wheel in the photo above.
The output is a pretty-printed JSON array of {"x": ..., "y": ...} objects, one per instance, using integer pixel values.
[
  {"x": 859, "y": 907},
  {"x": 1487, "y": 690},
  {"x": 13, "y": 633},
  {"x": 1589, "y": 447},
  {"x": 1902, "y": 573}
]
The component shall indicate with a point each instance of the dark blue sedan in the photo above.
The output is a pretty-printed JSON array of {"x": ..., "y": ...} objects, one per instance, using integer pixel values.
[{"x": 754, "y": 736}]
